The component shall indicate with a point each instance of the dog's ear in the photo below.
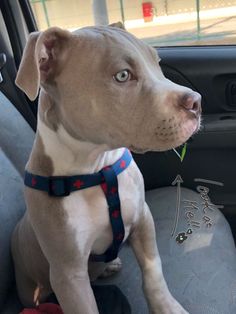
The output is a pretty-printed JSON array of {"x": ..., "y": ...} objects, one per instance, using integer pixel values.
[
  {"x": 27, "y": 78},
  {"x": 118, "y": 24},
  {"x": 41, "y": 59}
]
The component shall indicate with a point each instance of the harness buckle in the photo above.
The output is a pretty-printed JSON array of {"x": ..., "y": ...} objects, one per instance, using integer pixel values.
[{"x": 58, "y": 186}]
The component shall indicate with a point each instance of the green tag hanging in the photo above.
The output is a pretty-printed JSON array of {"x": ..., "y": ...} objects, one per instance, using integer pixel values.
[{"x": 183, "y": 152}]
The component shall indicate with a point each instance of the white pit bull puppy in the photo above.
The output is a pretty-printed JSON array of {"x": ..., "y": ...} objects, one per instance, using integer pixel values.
[{"x": 101, "y": 89}]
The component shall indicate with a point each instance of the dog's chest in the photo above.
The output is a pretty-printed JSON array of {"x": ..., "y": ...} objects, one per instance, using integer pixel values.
[{"x": 88, "y": 212}]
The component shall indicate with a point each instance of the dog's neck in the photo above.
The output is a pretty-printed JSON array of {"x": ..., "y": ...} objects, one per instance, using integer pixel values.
[{"x": 70, "y": 156}]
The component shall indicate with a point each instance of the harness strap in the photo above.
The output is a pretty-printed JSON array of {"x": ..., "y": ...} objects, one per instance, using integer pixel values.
[
  {"x": 110, "y": 189},
  {"x": 61, "y": 186}
]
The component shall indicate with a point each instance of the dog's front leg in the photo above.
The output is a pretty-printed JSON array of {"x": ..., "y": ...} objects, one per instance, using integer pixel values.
[
  {"x": 73, "y": 290},
  {"x": 143, "y": 242}
]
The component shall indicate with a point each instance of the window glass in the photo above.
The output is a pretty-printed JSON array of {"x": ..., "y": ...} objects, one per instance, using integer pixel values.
[{"x": 159, "y": 22}]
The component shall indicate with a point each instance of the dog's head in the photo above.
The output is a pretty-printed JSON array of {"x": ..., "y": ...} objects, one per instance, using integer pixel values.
[{"x": 106, "y": 86}]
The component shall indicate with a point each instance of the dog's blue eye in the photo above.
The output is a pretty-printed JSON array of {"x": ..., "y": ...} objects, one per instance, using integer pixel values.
[{"x": 122, "y": 76}]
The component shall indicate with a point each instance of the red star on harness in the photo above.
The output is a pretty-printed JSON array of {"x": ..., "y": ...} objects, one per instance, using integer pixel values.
[
  {"x": 33, "y": 181},
  {"x": 113, "y": 190},
  {"x": 122, "y": 164},
  {"x": 104, "y": 187},
  {"x": 116, "y": 213},
  {"x": 78, "y": 184}
]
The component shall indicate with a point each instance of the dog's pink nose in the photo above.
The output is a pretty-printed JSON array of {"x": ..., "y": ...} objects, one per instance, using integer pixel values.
[{"x": 192, "y": 102}]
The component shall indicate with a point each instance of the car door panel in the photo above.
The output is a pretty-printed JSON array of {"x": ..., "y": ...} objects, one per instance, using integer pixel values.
[
  {"x": 211, "y": 154},
  {"x": 13, "y": 36},
  {"x": 208, "y": 69}
]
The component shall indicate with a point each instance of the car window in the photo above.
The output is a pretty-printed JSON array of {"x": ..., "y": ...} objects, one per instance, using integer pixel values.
[{"x": 160, "y": 22}]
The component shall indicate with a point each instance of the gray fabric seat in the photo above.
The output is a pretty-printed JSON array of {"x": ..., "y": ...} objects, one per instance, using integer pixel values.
[
  {"x": 11, "y": 209},
  {"x": 200, "y": 272},
  {"x": 16, "y": 138}
]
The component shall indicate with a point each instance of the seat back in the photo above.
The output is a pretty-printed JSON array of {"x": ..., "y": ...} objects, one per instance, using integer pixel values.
[
  {"x": 11, "y": 209},
  {"x": 16, "y": 139}
]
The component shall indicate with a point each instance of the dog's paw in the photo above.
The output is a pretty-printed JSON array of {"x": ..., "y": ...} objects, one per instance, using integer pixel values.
[
  {"x": 178, "y": 309},
  {"x": 112, "y": 268},
  {"x": 172, "y": 307},
  {"x": 172, "y": 311}
]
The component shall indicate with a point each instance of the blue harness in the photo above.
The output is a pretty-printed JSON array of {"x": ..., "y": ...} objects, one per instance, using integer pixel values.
[{"x": 62, "y": 186}]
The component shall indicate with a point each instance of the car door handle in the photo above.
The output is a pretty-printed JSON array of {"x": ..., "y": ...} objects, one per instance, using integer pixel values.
[
  {"x": 3, "y": 60},
  {"x": 231, "y": 94}
]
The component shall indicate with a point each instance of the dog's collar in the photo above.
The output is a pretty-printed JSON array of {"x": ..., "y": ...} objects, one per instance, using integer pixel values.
[{"x": 63, "y": 185}]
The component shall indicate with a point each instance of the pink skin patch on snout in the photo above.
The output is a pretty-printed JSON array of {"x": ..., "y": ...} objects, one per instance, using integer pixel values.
[
  {"x": 190, "y": 127},
  {"x": 185, "y": 130}
]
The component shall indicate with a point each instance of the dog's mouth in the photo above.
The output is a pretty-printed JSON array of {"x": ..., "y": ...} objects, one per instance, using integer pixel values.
[
  {"x": 192, "y": 126},
  {"x": 187, "y": 130},
  {"x": 198, "y": 125}
]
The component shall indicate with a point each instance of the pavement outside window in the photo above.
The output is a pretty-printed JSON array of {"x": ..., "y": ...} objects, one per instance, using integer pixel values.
[{"x": 169, "y": 22}]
